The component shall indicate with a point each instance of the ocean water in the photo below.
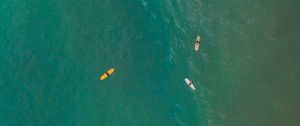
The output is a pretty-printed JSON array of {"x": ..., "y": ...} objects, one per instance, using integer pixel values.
[{"x": 53, "y": 52}]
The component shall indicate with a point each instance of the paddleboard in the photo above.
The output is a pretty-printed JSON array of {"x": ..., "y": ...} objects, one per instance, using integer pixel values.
[
  {"x": 189, "y": 83},
  {"x": 197, "y": 43},
  {"x": 107, "y": 74}
]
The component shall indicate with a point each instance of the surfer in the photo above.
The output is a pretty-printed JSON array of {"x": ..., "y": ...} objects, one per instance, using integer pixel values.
[
  {"x": 197, "y": 43},
  {"x": 189, "y": 83},
  {"x": 107, "y": 74}
]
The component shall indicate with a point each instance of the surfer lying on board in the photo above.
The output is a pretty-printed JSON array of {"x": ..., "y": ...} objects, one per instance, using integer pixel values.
[
  {"x": 197, "y": 43},
  {"x": 190, "y": 82},
  {"x": 107, "y": 74}
]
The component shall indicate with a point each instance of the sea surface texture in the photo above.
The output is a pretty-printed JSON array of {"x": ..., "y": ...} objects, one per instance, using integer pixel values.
[{"x": 52, "y": 53}]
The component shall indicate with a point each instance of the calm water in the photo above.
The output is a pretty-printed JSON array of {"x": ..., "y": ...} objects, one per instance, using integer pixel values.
[{"x": 53, "y": 52}]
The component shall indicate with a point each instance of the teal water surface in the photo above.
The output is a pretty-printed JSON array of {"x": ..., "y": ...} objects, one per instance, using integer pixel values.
[{"x": 53, "y": 52}]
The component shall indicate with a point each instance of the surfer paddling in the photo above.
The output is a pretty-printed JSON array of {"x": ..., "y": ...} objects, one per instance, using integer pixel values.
[
  {"x": 197, "y": 43},
  {"x": 189, "y": 83}
]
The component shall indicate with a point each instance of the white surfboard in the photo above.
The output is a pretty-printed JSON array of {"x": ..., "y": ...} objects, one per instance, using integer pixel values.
[
  {"x": 189, "y": 83},
  {"x": 197, "y": 43}
]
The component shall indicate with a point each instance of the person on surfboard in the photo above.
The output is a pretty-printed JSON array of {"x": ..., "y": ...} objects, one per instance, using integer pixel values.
[
  {"x": 190, "y": 82},
  {"x": 197, "y": 43}
]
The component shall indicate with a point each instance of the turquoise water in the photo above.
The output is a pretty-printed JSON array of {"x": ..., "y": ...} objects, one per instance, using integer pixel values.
[{"x": 53, "y": 52}]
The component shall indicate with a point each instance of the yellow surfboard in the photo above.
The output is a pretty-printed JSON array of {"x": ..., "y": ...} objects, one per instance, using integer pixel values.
[{"x": 107, "y": 74}]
